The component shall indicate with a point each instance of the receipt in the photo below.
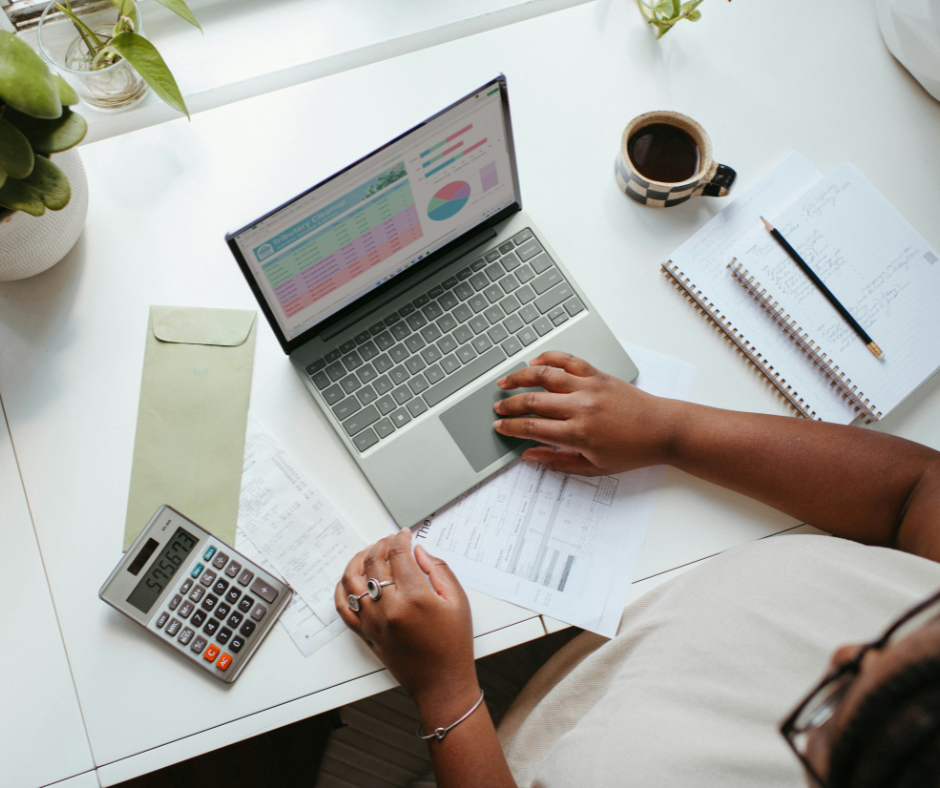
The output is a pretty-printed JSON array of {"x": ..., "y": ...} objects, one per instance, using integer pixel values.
[{"x": 292, "y": 524}]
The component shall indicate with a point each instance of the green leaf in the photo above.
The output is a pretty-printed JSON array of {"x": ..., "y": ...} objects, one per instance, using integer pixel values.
[
  {"x": 663, "y": 8},
  {"x": 690, "y": 6},
  {"x": 25, "y": 81},
  {"x": 16, "y": 154},
  {"x": 676, "y": 6},
  {"x": 147, "y": 62},
  {"x": 180, "y": 8},
  {"x": 50, "y": 136},
  {"x": 67, "y": 95},
  {"x": 3, "y": 176},
  {"x": 46, "y": 187},
  {"x": 695, "y": 16}
]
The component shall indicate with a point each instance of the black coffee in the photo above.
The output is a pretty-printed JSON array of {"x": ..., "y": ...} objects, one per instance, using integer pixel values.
[{"x": 663, "y": 153}]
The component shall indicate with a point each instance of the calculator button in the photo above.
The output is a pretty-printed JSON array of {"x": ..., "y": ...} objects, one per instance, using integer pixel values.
[
  {"x": 186, "y": 635},
  {"x": 234, "y": 620},
  {"x": 211, "y": 626},
  {"x": 196, "y": 570},
  {"x": 224, "y": 661},
  {"x": 245, "y": 578},
  {"x": 231, "y": 596},
  {"x": 258, "y": 613},
  {"x": 197, "y": 593},
  {"x": 220, "y": 560},
  {"x": 174, "y": 602},
  {"x": 245, "y": 604},
  {"x": 233, "y": 569},
  {"x": 236, "y": 645},
  {"x": 185, "y": 609},
  {"x": 164, "y": 617},
  {"x": 208, "y": 578},
  {"x": 222, "y": 610},
  {"x": 211, "y": 653},
  {"x": 207, "y": 556},
  {"x": 199, "y": 644},
  {"x": 209, "y": 602},
  {"x": 186, "y": 586},
  {"x": 264, "y": 590},
  {"x": 173, "y": 627},
  {"x": 198, "y": 617},
  {"x": 219, "y": 587},
  {"x": 223, "y": 636},
  {"x": 247, "y": 628}
]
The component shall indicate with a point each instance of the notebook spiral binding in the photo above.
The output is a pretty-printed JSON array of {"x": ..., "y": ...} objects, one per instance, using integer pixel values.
[{"x": 810, "y": 349}]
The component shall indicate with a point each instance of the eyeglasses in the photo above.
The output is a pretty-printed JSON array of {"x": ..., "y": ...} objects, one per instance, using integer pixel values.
[{"x": 821, "y": 703}]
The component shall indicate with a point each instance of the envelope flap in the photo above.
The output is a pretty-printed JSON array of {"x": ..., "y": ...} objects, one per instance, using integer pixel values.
[{"x": 200, "y": 326}]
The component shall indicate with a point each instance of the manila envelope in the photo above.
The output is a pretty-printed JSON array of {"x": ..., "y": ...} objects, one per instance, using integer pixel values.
[{"x": 192, "y": 418}]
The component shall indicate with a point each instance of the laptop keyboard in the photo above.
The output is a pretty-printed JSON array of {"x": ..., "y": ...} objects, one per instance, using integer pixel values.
[{"x": 447, "y": 337}]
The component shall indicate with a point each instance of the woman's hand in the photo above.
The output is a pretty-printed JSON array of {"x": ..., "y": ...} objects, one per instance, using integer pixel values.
[
  {"x": 422, "y": 632},
  {"x": 600, "y": 424}
]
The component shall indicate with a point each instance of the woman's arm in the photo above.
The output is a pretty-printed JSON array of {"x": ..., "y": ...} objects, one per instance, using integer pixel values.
[
  {"x": 854, "y": 483},
  {"x": 423, "y": 633}
]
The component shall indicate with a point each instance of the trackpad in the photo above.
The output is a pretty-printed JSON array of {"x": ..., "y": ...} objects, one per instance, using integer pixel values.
[{"x": 470, "y": 424}]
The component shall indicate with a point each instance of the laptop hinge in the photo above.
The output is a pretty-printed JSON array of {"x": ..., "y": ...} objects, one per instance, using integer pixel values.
[{"x": 465, "y": 248}]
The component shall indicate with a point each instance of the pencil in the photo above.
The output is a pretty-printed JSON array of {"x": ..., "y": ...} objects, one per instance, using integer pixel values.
[{"x": 823, "y": 289}]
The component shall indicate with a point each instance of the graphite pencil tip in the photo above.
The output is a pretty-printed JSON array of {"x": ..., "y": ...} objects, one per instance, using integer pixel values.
[{"x": 768, "y": 225}]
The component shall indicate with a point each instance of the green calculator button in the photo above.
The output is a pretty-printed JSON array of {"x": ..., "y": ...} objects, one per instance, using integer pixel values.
[
  {"x": 208, "y": 554},
  {"x": 197, "y": 569}
]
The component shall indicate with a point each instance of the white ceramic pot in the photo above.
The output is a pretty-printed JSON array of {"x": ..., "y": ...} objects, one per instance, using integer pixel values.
[{"x": 31, "y": 244}]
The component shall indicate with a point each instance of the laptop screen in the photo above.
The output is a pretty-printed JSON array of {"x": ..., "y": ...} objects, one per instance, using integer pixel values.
[{"x": 353, "y": 233}]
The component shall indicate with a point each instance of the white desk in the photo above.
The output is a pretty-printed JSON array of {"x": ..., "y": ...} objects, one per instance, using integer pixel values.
[{"x": 163, "y": 197}]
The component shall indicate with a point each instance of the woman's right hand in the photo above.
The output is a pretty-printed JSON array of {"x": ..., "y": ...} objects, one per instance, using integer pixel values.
[{"x": 600, "y": 424}]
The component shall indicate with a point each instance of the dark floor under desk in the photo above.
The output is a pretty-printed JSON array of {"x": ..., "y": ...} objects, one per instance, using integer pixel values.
[{"x": 375, "y": 747}]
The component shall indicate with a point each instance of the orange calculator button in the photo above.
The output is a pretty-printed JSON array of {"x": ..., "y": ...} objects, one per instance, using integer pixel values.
[
  {"x": 211, "y": 653},
  {"x": 224, "y": 661}
]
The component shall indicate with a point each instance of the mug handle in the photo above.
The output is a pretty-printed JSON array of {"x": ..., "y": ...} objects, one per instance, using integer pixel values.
[{"x": 720, "y": 182}]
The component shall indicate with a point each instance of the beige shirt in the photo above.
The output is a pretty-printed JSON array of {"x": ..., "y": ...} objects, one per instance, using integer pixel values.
[{"x": 703, "y": 669}]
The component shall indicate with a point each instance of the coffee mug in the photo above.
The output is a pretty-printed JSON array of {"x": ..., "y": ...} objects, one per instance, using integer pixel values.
[{"x": 665, "y": 159}]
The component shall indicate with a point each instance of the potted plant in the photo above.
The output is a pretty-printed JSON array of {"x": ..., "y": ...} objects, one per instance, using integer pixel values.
[{"x": 42, "y": 202}]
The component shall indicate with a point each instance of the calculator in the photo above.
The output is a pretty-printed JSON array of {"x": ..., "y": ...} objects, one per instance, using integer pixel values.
[{"x": 198, "y": 595}]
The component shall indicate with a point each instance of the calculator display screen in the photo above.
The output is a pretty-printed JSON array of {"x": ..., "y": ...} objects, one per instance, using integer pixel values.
[{"x": 162, "y": 570}]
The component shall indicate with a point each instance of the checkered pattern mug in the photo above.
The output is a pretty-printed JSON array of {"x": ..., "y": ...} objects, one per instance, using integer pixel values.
[{"x": 711, "y": 180}]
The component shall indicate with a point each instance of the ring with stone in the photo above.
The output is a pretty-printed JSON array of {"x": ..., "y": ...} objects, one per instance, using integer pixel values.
[
  {"x": 374, "y": 588},
  {"x": 353, "y": 601}
]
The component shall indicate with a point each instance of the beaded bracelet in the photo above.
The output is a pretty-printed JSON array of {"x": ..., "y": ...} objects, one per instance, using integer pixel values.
[{"x": 440, "y": 733}]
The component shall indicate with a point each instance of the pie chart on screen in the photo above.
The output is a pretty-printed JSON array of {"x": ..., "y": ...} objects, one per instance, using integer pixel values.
[{"x": 448, "y": 201}]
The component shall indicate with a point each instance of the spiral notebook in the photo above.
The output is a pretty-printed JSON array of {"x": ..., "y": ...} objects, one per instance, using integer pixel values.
[{"x": 876, "y": 264}]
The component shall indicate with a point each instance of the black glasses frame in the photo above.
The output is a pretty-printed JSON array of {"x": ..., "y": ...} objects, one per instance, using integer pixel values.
[{"x": 788, "y": 727}]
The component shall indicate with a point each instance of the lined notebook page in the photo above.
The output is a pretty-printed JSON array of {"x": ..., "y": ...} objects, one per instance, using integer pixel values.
[
  {"x": 879, "y": 268},
  {"x": 704, "y": 259}
]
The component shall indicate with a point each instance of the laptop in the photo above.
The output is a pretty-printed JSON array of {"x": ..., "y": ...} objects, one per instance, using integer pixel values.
[{"x": 404, "y": 286}]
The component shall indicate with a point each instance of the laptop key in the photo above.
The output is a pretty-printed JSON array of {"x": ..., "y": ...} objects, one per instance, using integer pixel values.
[
  {"x": 352, "y": 361},
  {"x": 529, "y": 313},
  {"x": 399, "y": 375},
  {"x": 463, "y": 334},
  {"x": 434, "y": 374},
  {"x": 466, "y": 354},
  {"x": 506, "y": 247},
  {"x": 525, "y": 274},
  {"x": 333, "y": 395},
  {"x": 414, "y": 343},
  {"x": 554, "y": 297},
  {"x": 529, "y": 250},
  {"x": 448, "y": 301},
  {"x": 510, "y": 262},
  {"x": 547, "y": 280},
  {"x": 433, "y": 311},
  {"x": 513, "y": 323},
  {"x": 574, "y": 306},
  {"x": 346, "y": 408},
  {"x": 495, "y": 271},
  {"x": 367, "y": 373},
  {"x": 431, "y": 354},
  {"x": 436, "y": 291},
  {"x": 398, "y": 354},
  {"x": 346, "y": 347},
  {"x": 511, "y": 346},
  {"x": 418, "y": 383},
  {"x": 368, "y": 351},
  {"x": 509, "y": 304},
  {"x": 335, "y": 371},
  {"x": 493, "y": 293},
  {"x": 479, "y": 282},
  {"x": 494, "y": 314},
  {"x": 377, "y": 329},
  {"x": 509, "y": 283},
  {"x": 463, "y": 291},
  {"x": 406, "y": 310},
  {"x": 385, "y": 405},
  {"x": 367, "y": 395},
  {"x": 416, "y": 407},
  {"x": 497, "y": 334},
  {"x": 400, "y": 418},
  {"x": 416, "y": 321},
  {"x": 382, "y": 363},
  {"x": 478, "y": 324},
  {"x": 382, "y": 385},
  {"x": 447, "y": 344},
  {"x": 478, "y": 303},
  {"x": 543, "y": 325},
  {"x": 364, "y": 418},
  {"x": 541, "y": 263},
  {"x": 528, "y": 335},
  {"x": 415, "y": 364},
  {"x": 420, "y": 301},
  {"x": 558, "y": 315},
  {"x": 362, "y": 337},
  {"x": 491, "y": 256},
  {"x": 462, "y": 313},
  {"x": 464, "y": 273},
  {"x": 400, "y": 331},
  {"x": 523, "y": 236},
  {"x": 449, "y": 282},
  {"x": 478, "y": 265},
  {"x": 384, "y": 341},
  {"x": 350, "y": 383},
  {"x": 447, "y": 323},
  {"x": 392, "y": 319},
  {"x": 430, "y": 333},
  {"x": 316, "y": 366},
  {"x": 482, "y": 343},
  {"x": 450, "y": 364},
  {"x": 383, "y": 428},
  {"x": 470, "y": 372},
  {"x": 321, "y": 380},
  {"x": 332, "y": 356},
  {"x": 525, "y": 294},
  {"x": 366, "y": 439}
]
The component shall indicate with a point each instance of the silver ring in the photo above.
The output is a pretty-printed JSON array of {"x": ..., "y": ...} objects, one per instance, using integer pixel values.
[
  {"x": 353, "y": 601},
  {"x": 374, "y": 588}
]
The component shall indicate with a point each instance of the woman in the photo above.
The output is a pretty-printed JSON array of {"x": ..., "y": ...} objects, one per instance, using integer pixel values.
[{"x": 705, "y": 667}]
